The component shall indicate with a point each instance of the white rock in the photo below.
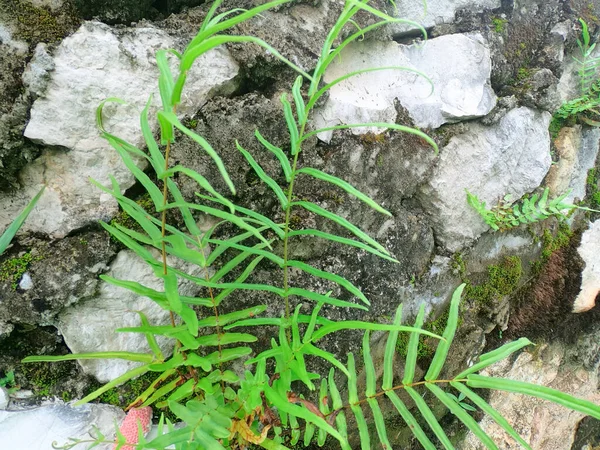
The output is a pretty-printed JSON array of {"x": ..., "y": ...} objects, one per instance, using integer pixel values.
[
  {"x": 92, "y": 65},
  {"x": 438, "y": 11},
  {"x": 4, "y": 398},
  {"x": 26, "y": 282},
  {"x": 37, "y": 72},
  {"x": 89, "y": 325},
  {"x": 37, "y": 429},
  {"x": 458, "y": 65},
  {"x": 589, "y": 250},
  {"x": 542, "y": 424},
  {"x": 509, "y": 157},
  {"x": 577, "y": 151}
]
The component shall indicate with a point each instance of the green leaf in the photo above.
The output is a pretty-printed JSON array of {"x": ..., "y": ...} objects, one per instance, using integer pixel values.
[
  {"x": 341, "y": 240},
  {"x": 485, "y": 407},
  {"x": 150, "y": 337},
  {"x": 315, "y": 173},
  {"x": 298, "y": 100},
  {"x": 429, "y": 418},
  {"x": 342, "y": 222},
  {"x": 99, "y": 120},
  {"x": 533, "y": 390},
  {"x": 129, "y": 356},
  {"x": 413, "y": 346},
  {"x": 10, "y": 232},
  {"x": 390, "y": 126},
  {"x": 341, "y": 281},
  {"x": 303, "y": 413},
  {"x": 283, "y": 160},
  {"x": 439, "y": 358},
  {"x": 363, "y": 428},
  {"x": 291, "y": 123},
  {"x": 371, "y": 390},
  {"x": 358, "y": 325},
  {"x": 171, "y": 118},
  {"x": 263, "y": 176},
  {"x": 410, "y": 419},
  {"x": 133, "y": 373},
  {"x": 225, "y": 339},
  {"x": 499, "y": 354},
  {"x": 390, "y": 352},
  {"x": 462, "y": 415}
]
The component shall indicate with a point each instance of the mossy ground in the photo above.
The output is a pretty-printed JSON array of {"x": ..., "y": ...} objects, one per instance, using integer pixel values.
[
  {"x": 13, "y": 269},
  {"x": 502, "y": 280},
  {"x": 550, "y": 244},
  {"x": 35, "y": 25}
]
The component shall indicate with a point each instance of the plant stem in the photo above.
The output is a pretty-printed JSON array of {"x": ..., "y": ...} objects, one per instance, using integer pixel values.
[{"x": 164, "y": 223}]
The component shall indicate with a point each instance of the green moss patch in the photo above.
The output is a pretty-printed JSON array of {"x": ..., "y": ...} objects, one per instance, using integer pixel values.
[
  {"x": 502, "y": 280},
  {"x": 13, "y": 269}
]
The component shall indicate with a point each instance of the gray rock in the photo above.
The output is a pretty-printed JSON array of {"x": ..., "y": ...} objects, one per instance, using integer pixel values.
[
  {"x": 59, "y": 273},
  {"x": 438, "y": 11},
  {"x": 544, "y": 425},
  {"x": 458, "y": 65},
  {"x": 510, "y": 157},
  {"x": 89, "y": 325},
  {"x": 37, "y": 429},
  {"x": 95, "y": 63},
  {"x": 37, "y": 72},
  {"x": 577, "y": 150}
]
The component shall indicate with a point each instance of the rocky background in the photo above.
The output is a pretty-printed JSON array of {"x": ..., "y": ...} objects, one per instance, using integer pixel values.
[{"x": 500, "y": 70}]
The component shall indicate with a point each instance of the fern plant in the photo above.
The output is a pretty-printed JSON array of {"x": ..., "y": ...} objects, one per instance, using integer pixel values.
[
  {"x": 585, "y": 107},
  {"x": 528, "y": 210},
  {"x": 277, "y": 400},
  {"x": 588, "y": 65}
]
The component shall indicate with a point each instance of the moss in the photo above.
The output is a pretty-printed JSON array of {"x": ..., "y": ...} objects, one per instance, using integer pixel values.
[
  {"x": 458, "y": 264},
  {"x": 125, "y": 220},
  {"x": 35, "y": 24},
  {"x": 45, "y": 378},
  {"x": 13, "y": 269},
  {"x": 502, "y": 280},
  {"x": 427, "y": 346},
  {"x": 499, "y": 24},
  {"x": 372, "y": 138},
  {"x": 523, "y": 73},
  {"x": 593, "y": 190}
]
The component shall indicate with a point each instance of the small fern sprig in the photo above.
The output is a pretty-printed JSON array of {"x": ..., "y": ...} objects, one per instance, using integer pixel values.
[
  {"x": 588, "y": 65},
  {"x": 527, "y": 210}
]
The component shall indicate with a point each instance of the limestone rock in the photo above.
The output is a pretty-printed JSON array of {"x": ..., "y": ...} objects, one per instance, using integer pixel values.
[
  {"x": 93, "y": 64},
  {"x": 509, "y": 157},
  {"x": 577, "y": 151},
  {"x": 89, "y": 325},
  {"x": 589, "y": 250},
  {"x": 58, "y": 275},
  {"x": 544, "y": 425},
  {"x": 438, "y": 11},
  {"x": 458, "y": 65},
  {"x": 37, "y": 429}
]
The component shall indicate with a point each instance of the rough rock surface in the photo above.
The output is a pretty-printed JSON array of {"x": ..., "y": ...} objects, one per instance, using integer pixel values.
[
  {"x": 510, "y": 157},
  {"x": 89, "y": 325},
  {"x": 589, "y": 250},
  {"x": 577, "y": 151},
  {"x": 57, "y": 275},
  {"x": 438, "y": 11},
  {"x": 458, "y": 65},
  {"x": 38, "y": 428},
  {"x": 95, "y": 63},
  {"x": 544, "y": 425}
]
